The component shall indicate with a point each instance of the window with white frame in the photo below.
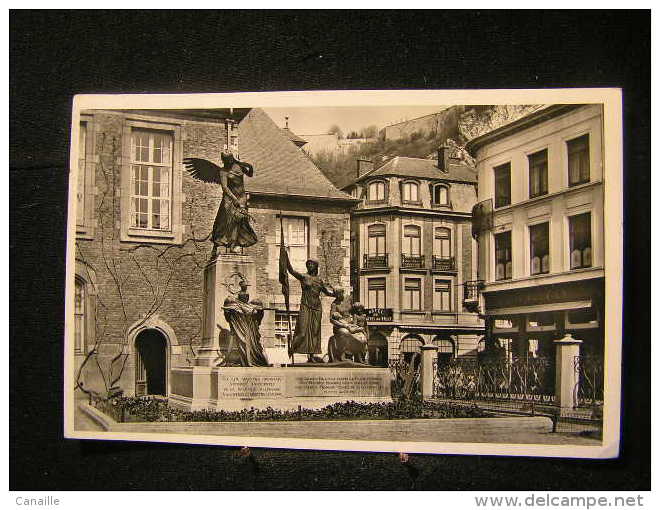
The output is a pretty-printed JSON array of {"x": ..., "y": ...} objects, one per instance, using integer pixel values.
[
  {"x": 503, "y": 266},
  {"x": 377, "y": 191},
  {"x": 282, "y": 329},
  {"x": 85, "y": 184},
  {"x": 412, "y": 240},
  {"x": 539, "y": 248},
  {"x": 82, "y": 166},
  {"x": 538, "y": 173},
  {"x": 376, "y": 293},
  {"x": 412, "y": 294},
  {"x": 377, "y": 240},
  {"x": 579, "y": 228},
  {"x": 79, "y": 302},
  {"x": 578, "y": 160},
  {"x": 502, "y": 185},
  {"x": 296, "y": 240},
  {"x": 442, "y": 242},
  {"x": 442, "y": 295},
  {"x": 440, "y": 194},
  {"x": 410, "y": 192},
  {"x": 151, "y": 180}
]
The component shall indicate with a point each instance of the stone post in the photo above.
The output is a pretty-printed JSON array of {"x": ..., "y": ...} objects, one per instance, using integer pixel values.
[
  {"x": 221, "y": 278},
  {"x": 566, "y": 378},
  {"x": 426, "y": 375}
]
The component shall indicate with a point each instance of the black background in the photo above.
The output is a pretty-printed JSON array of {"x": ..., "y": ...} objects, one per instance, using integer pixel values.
[{"x": 56, "y": 54}]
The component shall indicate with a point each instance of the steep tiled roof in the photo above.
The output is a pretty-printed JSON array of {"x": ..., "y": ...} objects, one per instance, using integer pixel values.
[
  {"x": 423, "y": 169},
  {"x": 294, "y": 137},
  {"x": 279, "y": 166}
]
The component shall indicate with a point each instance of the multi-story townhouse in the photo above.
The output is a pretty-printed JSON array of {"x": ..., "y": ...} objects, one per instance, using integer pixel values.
[
  {"x": 539, "y": 224},
  {"x": 412, "y": 253}
]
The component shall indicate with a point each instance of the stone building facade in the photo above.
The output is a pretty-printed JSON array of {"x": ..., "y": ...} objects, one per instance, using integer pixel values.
[
  {"x": 539, "y": 224},
  {"x": 412, "y": 254},
  {"x": 440, "y": 125},
  {"x": 142, "y": 231}
]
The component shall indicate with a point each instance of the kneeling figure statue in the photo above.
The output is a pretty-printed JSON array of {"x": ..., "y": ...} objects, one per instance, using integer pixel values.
[{"x": 350, "y": 331}]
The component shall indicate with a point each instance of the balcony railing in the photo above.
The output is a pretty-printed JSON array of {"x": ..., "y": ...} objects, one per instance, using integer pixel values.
[
  {"x": 471, "y": 290},
  {"x": 379, "y": 314},
  {"x": 375, "y": 261},
  {"x": 412, "y": 261},
  {"x": 444, "y": 263}
]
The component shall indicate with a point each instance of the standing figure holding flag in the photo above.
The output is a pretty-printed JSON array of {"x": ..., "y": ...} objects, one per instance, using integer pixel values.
[{"x": 307, "y": 336}]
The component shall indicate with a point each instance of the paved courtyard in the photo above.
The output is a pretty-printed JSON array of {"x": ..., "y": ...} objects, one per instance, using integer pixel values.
[{"x": 521, "y": 430}]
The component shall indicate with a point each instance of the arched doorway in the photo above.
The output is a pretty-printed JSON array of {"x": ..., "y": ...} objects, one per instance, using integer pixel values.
[
  {"x": 150, "y": 363},
  {"x": 377, "y": 350}
]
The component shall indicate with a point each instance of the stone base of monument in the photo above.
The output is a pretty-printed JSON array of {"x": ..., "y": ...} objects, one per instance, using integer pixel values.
[{"x": 283, "y": 388}]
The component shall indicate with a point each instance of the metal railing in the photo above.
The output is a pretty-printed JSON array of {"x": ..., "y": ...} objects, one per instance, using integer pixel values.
[
  {"x": 405, "y": 376},
  {"x": 589, "y": 375},
  {"x": 471, "y": 290},
  {"x": 379, "y": 314},
  {"x": 375, "y": 261},
  {"x": 412, "y": 261},
  {"x": 524, "y": 379},
  {"x": 444, "y": 263}
]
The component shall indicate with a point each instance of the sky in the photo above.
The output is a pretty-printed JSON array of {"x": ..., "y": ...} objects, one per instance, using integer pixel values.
[{"x": 313, "y": 121}]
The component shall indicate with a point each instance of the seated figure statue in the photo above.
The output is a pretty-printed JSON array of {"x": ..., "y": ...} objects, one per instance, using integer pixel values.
[
  {"x": 244, "y": 318},
  {"x": 350, "y": 331}
]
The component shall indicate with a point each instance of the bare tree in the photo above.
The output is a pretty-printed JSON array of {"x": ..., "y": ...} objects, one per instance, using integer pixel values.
[{"x": 336, "y": 130}]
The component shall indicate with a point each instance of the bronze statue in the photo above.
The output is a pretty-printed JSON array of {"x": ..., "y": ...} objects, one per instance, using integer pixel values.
[
  {"x": 232, "y": 227},
  {"x": 350, "y": 331},
  {"x": 244, "y": 318},
  {"x": 307, "y": 335}
]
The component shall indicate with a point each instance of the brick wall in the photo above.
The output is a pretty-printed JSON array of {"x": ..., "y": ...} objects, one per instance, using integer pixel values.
[{"x": 163, "y": 283}]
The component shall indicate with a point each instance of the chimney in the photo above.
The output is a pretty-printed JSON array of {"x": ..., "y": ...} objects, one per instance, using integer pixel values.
[
  {"x": 443, "y": 157},
  {"x": 364, "y": 166},
  {"x": 286, "y": 122}
]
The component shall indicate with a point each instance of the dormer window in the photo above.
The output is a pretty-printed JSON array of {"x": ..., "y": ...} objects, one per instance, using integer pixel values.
[
  {"x": 410, "y": 192},
  {"x": 355, "y": 192},
  {"x": 440, "y": 195},
  {"x": 377, "y": 191}
]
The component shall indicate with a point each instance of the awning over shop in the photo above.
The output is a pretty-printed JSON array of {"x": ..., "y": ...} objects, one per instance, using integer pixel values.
[{"x": 548, "y": 307}]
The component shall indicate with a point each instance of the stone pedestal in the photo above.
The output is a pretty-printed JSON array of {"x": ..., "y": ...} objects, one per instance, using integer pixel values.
[
  {"x": 426, "y": 369},
  {"x": 286, "y": 388},
  {"x": 566, "y": 378},
  {"x": 221, "y": 278}
]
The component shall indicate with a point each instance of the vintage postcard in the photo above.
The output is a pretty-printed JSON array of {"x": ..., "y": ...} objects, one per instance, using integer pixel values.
[{"x": 404, "y": 271}]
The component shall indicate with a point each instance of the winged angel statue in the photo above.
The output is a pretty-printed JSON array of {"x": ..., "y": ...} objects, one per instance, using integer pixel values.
[{"x": 232, "y": 227}]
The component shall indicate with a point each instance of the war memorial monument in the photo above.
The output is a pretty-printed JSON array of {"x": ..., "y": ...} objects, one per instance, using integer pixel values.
[{"x": 239, "y": 375}]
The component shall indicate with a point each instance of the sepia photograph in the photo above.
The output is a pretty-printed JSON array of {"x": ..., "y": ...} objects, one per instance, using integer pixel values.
[{"x": 395, "y": 271}]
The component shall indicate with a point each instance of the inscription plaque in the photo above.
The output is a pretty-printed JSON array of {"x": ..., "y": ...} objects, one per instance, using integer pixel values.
[
  {"x": 321, "y": 385},
  {"x": 251, "y": 386}
]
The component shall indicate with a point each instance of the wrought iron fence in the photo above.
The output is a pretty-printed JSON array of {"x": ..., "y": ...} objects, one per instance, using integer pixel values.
[
  {"x": 589, "y": 375},
  {"x": 405, "y": 376},
  {"x": 522, "y": 379}
]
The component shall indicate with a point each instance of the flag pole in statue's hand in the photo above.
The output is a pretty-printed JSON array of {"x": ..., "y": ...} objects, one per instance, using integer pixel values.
[{"x": 284, "y": 281}]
